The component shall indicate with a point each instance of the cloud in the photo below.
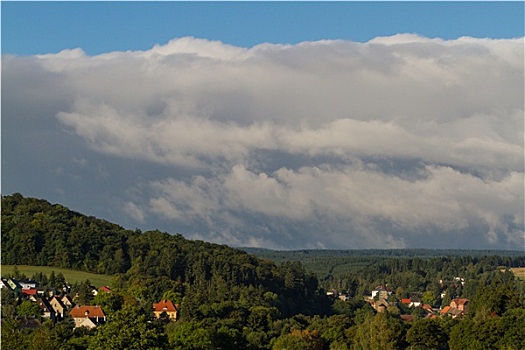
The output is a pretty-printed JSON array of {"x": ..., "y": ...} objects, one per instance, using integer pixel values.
[
  {"x": 396, "y": 142},
  {"x": 441, "y": 197}
]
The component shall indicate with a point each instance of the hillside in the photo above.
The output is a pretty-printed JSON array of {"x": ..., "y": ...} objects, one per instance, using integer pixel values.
[
  {"x": 71, "y": 276},
  {"x": 35, "y": 232}
]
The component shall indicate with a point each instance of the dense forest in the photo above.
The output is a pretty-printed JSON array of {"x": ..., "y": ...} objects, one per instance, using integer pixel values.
[{"x": 231, "y": 299}]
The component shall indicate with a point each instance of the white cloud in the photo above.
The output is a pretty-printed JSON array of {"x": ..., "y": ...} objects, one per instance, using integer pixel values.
[
  {"x": 298, "y": 138},
  {"x": 134, "y": 211},
  {"x": 357, "y": 195}
]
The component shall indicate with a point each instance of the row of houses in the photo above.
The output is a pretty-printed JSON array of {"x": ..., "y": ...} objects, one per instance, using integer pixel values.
[
  {"x": 91, "y": 316},
  {"x": 59, "y": 307}
]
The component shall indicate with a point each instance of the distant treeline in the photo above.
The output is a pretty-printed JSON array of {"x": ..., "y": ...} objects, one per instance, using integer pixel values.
[
  {"x": 305, "y": 254},
  {"x": 359, "y": 271}
]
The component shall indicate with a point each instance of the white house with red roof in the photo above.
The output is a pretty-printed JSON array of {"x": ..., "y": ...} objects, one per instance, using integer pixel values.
[
  {"x": 88, "y": 316},
  {"x": 165, "y": 306}
]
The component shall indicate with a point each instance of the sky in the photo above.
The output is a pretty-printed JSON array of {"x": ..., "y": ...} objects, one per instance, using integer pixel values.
[{"x": 282, "y": 125}]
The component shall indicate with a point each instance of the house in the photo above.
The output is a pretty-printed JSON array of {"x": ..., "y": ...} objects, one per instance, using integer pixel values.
[
  {"x": 336, "y": 294},
  {"x": 13, "y": 284},
  {"x": 415, "y": 302},
  {"x": 29, "y": 291},
  {"x": 46, "y": 309},
  {"x": 451, "y": 311},
  {"x": 380, "y": 305},
  {"x": 343, "y": 297},
  {"x": 87, "y": 316},
  {"x": 381, "y": 292},
  {"x": 105, "y": 289},
  {"x": 59, "y": 307},
  {"x": 411, "y": 302},
  {"x": 67, "y": 301},
  {"x": 94, "y": 290},
  {"x": 427, "y": 307},
  {"x": 28, "y": 284},
  {"x": 31, "y": 294},
  {"x": 458, "y": 307},
  {"x": 445, "y": 310},
  {"x": 167, "y": 307},
  {"x": 460, "y": 304}
]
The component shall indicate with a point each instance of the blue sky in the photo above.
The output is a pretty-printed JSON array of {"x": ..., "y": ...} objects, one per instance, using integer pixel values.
[
  {"x": 192, "y": 118},
  {"x": 96, "y": 27}
]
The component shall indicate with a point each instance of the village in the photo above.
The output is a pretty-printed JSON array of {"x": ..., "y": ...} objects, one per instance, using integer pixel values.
[
  {"x": 383, "y": 299},
  {"x": 59, "y": 305}
]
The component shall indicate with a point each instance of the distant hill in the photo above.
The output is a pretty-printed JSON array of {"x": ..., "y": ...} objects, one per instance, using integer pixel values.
[
  {"x": 302, "y": 254},
  {"x": 330, "y": 263}
]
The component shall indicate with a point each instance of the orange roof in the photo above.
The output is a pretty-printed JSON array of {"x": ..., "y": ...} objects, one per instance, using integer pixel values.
[
  {"x": 164, "y": 305},
  {"x": 445, "y": 310},
  {"x": 460, "y": 301},
  {"x": 405, "y": 301},
  {"x": 87, "y": 311}
]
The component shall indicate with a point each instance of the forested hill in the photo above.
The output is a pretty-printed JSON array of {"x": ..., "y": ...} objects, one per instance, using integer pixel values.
[{"x": 35, "y": 232}]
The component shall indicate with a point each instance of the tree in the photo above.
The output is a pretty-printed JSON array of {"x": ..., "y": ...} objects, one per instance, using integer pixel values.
[
  {"x": 189, "y": 336},
  {"x": 48, "y": 337},
  {"x": 429, "y": 298},
  {"x": 299, "y": 340},
  {"x": 470, "y": 334},
  {"x": 129, "y": 328},
  {"x": 84, "y": 292},
  {"x": 8, "y": 298},
  {"x": 28, "y": 308},
  {"x": 426, "y": 334},
  {"x": 109, "y": 302},
  {"x": 514, "y": 336},
  {"x": 378, "y": 332}
]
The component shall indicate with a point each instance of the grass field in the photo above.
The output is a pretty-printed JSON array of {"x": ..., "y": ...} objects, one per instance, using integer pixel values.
[
  {"x": 71, "y": 276},
  {"x": 518, "y": 272}
]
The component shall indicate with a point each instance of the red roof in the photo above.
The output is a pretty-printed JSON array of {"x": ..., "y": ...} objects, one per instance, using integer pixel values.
[
  {"x": 164, "y": 305},
  {"x": 405, "y": 301},
  {"x": 29, "y": 291},
  {"x": 87, "y": 311},
  {"x": 105, "y": 289}
]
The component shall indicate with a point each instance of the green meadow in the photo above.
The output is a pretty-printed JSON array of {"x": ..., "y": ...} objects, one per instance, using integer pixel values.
[{"x": 71, "y": 276}]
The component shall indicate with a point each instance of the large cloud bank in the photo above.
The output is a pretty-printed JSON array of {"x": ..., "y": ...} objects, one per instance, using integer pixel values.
[{"x": 402, "y": 141}]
